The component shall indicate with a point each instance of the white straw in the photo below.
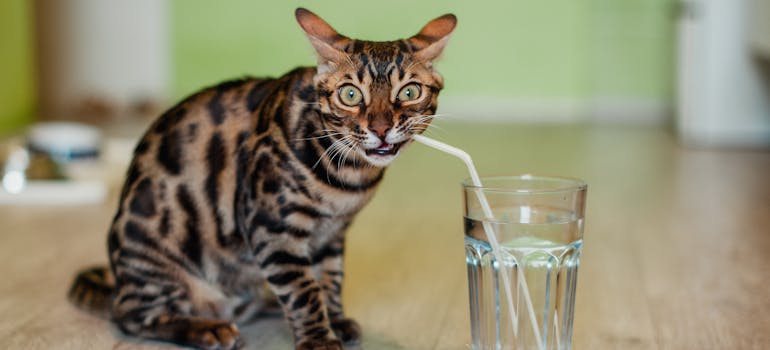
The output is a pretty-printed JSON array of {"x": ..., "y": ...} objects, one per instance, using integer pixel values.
[{"x": 496, "y": 250}]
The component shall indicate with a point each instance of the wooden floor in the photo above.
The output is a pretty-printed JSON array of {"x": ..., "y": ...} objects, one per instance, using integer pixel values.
[{"x": 676, "y": 249}]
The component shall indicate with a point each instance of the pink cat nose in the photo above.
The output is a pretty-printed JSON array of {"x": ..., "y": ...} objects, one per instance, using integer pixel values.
[{"x": 380, "y": 129}]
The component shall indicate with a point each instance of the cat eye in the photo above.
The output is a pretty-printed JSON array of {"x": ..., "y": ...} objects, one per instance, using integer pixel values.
[
  {"x": 350, "y": 95},
  {"x": 409, "y": 93}
]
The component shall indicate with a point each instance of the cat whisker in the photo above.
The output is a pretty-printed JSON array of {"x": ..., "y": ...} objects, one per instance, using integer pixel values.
[
  {"x": 321, "y": 157},
  {"x": 430, "y": 116},
  {"x": 424, "y": 120},
  {"x": 429, "y": 125},
  {"x": 424, "y": 126},
  {"x": 329, "y": 133},
  {"x": 333, "y": 150},
  {"x": 317, "y": 137},
  {"x": 425, "y": 117},
  {"x": 351, "y": 148},
  {"x": 338, "y": 150},
  {"x": 325, "y": 153},
  {"x": 341, "y": 156}
]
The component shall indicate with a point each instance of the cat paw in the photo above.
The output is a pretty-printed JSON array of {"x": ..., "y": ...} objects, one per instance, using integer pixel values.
[
  {"x": 319, "y": 344},
  {"x": 347, "y": 330},
  {"x": 215, "y": 336}
]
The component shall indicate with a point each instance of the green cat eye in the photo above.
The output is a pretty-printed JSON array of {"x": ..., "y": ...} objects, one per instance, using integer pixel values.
[
  {"x": 350, "y": 95},
  {"x": 409, "y": 93}
]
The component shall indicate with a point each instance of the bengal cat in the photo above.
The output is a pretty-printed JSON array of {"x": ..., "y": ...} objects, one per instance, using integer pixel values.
[{"x": 237, "y": 199}]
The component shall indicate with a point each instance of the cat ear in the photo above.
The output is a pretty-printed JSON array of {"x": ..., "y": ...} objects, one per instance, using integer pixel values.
[
  {"x": 430, "y": 41},
  {"x": 322, "y": 36}
]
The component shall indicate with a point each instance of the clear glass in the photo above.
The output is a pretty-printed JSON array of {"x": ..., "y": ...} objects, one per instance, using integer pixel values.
[{"x": 538, "y": 222}]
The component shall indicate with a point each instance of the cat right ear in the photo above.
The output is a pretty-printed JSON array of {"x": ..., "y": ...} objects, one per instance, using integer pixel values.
[
  {"x": 430, "y": 41},
  {"x": 322, "y": 36}
]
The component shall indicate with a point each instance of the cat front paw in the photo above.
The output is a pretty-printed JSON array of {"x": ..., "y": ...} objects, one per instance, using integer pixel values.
[
  {"x": 211, "y": 335},
  {"x": 348, "y": 330},
  {"x": 319, "y": 344}
]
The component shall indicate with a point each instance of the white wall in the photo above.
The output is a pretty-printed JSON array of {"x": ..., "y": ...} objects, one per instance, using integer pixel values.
[
  {"x": 723, "y": 93},
  {"x": 759, "y": 31},
  {"x": 113, "y": 51}
]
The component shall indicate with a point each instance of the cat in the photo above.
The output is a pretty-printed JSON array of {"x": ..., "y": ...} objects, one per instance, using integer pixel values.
[{"x": 237, "y": 198}]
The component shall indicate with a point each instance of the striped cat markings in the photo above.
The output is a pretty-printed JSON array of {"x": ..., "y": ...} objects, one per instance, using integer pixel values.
[{"x": 237, "y": 199}]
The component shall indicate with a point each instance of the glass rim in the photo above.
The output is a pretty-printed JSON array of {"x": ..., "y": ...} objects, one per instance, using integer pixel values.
[{"x": 572, "y": 184}]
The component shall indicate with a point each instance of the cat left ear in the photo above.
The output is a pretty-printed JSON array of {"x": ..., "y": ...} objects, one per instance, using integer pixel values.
[
  {"x": 430, "y": 41},
  {"x": 322, "y": 36}
]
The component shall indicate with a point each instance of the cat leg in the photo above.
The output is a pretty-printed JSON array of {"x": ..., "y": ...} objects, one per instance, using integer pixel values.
[
  {"x": 329, "y": 261},
  {"x": 163, "y": 313},
  {"x": 292, "y": 280}
]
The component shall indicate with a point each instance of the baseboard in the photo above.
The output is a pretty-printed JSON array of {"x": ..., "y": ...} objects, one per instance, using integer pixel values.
[
  {"x": 553, "y": 110},
  {"x": 756, "y": 137},
  {"x": 630, "y": 110}
]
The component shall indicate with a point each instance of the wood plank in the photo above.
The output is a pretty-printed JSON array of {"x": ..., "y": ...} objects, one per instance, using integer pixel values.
[{"x": 675, "y": 251}]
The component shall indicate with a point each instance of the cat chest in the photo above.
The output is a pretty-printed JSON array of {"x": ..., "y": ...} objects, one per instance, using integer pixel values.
[{"x": 340, "y": 203}]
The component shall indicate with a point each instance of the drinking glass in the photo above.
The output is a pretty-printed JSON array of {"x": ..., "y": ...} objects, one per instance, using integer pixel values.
[{"x": 523, "y": 297}]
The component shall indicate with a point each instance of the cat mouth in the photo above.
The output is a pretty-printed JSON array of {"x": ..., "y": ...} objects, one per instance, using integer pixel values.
[{"x": 385, "y": 149}]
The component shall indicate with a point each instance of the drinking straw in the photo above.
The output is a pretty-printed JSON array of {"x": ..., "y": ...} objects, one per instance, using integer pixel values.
[{"x": 496, "y": 249}]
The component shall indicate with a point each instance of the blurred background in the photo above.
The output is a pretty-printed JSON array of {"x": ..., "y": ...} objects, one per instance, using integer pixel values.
[
  {"x": 697, "y": 70},
  {"x": 662, "y": 106},
  {"x": 695, "y": 65}
]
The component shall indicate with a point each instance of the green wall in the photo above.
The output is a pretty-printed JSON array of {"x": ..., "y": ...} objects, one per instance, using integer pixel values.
[
  {"x": 543, "y": 49},
  {"x": 505, "y": 47},
  {"x": 631, "y": 48},
  {"x": 16, "y": 67},
  {"x": 547, "y": 49}
]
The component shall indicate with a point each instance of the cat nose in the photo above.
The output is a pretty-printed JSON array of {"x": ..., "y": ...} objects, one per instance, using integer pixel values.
[{"x": 380, "y": 129}]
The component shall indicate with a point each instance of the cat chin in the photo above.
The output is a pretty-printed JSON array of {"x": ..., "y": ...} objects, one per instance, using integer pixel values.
[{"x": 380, "y": 161}]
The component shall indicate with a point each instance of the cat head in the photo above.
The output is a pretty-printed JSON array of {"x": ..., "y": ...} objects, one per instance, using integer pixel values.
[{"x": 375, "y": 95}]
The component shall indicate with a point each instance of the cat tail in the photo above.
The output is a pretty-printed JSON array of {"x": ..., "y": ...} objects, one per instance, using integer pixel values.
[{"x": 92, "y": 290}]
